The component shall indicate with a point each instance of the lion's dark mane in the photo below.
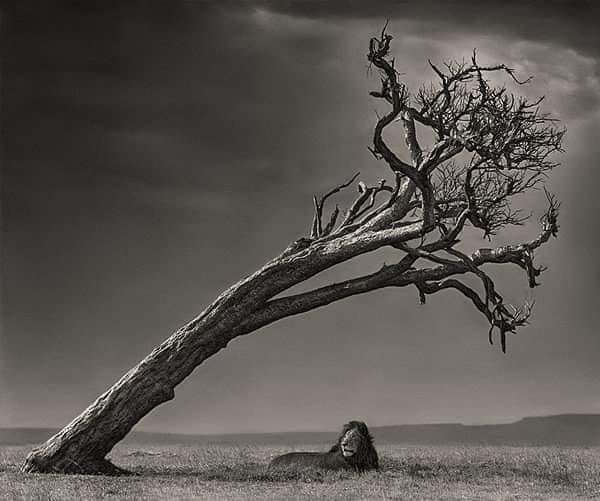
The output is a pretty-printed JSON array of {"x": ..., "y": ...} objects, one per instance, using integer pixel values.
[{"x": 364, "y": 459}]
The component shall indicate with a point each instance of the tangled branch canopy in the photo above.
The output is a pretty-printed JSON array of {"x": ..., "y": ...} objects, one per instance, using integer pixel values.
[{"x": 490, "y": 147}]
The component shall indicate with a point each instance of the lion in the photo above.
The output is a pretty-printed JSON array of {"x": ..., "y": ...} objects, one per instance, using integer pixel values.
[{"x": 354, "y": 450}]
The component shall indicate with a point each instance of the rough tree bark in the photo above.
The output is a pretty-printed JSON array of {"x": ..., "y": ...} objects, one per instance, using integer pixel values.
[{"x": 490, "y": 147}]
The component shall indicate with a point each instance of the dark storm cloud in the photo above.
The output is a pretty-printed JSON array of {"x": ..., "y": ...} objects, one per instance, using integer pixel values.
[
  {"x": 134, "y": 83},
  {"x": 154, "y": 153}
]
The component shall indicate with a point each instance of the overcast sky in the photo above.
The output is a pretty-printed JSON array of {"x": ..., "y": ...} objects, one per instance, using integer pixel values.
[{"x": 155, "y": 154}]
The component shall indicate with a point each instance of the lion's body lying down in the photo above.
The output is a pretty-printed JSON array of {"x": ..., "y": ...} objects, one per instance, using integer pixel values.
[
  {"x": 353, "y": 450},
  {"x": 322, "y": 460}
]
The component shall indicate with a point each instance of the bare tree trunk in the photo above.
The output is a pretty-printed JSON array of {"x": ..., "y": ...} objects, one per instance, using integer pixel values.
[{"x": 82, "y": 445}]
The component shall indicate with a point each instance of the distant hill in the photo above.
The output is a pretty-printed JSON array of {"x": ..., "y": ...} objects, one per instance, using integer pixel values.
[{"x": 562, "y": 429}]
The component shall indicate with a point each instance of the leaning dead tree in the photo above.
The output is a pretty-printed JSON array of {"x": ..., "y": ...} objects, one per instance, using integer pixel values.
[{"x": 489, "y": 149}]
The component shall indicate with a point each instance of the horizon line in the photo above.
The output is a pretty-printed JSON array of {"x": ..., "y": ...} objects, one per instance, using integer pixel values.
[{"x": 277, "y": 432}]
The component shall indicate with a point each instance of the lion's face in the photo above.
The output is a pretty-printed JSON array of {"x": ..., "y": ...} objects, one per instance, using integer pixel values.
[{"x": 352, "y": 441}]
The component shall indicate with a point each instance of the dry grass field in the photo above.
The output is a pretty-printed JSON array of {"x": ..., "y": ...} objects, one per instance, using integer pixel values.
[{"x": 222, "y": 472}]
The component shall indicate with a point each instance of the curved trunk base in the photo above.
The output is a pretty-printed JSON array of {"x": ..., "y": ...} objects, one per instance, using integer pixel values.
[{"x": 102, "y": 466}]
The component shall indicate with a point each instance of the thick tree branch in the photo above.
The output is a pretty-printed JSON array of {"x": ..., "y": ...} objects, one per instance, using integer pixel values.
[
  {"x": 396, "y": 94},
  {"x": 429, "y": 280}
]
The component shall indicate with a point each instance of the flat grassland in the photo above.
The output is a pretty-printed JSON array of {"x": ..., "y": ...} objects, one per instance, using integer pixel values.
[{"x": 407, "y": 472}]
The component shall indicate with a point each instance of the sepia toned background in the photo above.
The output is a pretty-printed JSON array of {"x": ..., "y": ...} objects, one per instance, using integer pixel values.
[{"x": 155, "y": 153}]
